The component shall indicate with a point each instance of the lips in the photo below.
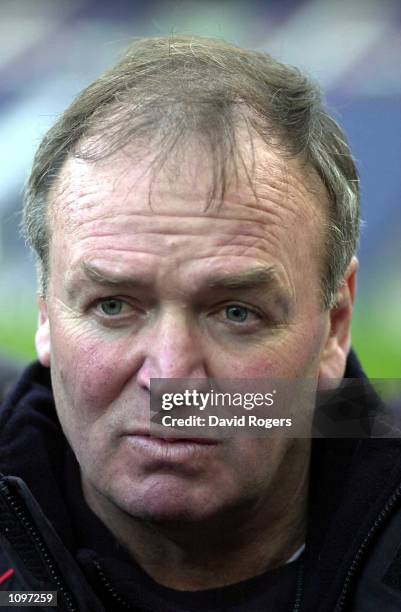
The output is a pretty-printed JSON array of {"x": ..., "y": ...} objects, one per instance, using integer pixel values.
[
  {"x": 168, "y": 440},
  {"x": 160, "y": 435},
  {"x": 176, "y": 453}
]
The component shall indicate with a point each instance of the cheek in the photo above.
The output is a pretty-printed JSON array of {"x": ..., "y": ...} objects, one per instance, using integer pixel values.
[
  {"x": 92, "y": 372},
  {"x": 295, "y": 354}
]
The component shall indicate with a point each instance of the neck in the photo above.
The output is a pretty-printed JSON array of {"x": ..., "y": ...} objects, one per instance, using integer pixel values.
[{"x": 238, "y": 544}]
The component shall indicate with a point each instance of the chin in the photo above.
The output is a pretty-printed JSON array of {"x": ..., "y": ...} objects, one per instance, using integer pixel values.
[{"x": 169, "y": 501}]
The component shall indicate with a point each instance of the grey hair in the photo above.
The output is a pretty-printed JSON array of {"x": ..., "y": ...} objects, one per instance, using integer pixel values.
[{"x": 169, "y": 88}]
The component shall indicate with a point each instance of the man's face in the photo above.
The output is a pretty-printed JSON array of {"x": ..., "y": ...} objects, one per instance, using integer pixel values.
[{"x": 142, "y": 287}]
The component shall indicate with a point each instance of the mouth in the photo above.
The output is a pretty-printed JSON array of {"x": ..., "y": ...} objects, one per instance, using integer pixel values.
[
  {"x": 159, "y": 434},
  {"x": 171, "y": 440},
  {"x": 169, "y": 449}
]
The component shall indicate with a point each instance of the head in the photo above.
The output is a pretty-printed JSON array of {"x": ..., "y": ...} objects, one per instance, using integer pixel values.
[{"x": 195, "y": 214}]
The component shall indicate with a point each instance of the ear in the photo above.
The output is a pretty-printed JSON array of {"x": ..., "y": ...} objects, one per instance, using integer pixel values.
[
  {"x": 42, "y": 337},
  {"x": 338, "y": 343}
]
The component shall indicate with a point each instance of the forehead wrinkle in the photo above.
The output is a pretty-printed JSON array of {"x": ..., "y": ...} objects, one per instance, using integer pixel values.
[
  {"x": 284, "y": 189},
  {"x": 68, "y": 196},
  {"x": 113, "y": 171},
  {"x": 289, "y": 175},
  {"x": 80, "y": 179},
  {"x": 295, "y": 187},
  {"x": 270, "y": 178},
  {"x": 282, "y": 195}
]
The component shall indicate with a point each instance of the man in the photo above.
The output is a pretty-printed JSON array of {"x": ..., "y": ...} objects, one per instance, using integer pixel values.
[{"x": 195, "y": 216}]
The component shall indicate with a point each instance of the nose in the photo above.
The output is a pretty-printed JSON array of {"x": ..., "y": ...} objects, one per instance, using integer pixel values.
[{"x": 173, "y": 350}]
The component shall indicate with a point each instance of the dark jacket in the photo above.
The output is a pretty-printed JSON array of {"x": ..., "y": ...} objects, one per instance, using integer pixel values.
[
  {"x": 10, "y": 371},
  {"x": 352, "y": 559}
]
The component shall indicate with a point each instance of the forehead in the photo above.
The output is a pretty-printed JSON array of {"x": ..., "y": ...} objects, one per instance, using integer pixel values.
[
  {"x": 134, "y": 214},
  {"x": 188, "y": 182}
]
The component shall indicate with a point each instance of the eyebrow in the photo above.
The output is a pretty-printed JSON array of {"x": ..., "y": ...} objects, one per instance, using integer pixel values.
[
  {"x": 255, "y": 278},
  {"x": 261, "y": 277},
  {"x": 97, "y": 275}
]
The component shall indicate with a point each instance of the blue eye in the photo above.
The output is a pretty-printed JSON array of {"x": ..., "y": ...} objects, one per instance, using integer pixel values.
[
  {"x": 237, "y": 314},
  {"x": 111, "y": 307}
]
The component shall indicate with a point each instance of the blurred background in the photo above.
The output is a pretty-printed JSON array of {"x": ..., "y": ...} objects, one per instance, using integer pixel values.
[{"x": 50, "y": 49}]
